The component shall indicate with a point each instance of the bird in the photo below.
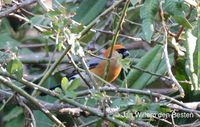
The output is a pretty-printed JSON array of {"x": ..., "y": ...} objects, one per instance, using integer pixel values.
[
  {"x": 98, "y": 65},
  {"x": 115, "y": 67}
]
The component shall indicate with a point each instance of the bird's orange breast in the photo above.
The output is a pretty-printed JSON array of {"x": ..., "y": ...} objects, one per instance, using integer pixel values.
[{"x": 114, "y": 70}]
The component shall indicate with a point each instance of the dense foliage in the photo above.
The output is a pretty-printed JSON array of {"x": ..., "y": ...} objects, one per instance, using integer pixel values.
[{"x": 42, "y": 44}]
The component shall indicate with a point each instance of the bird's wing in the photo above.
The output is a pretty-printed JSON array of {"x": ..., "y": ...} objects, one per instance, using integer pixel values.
[{"x": 95, "y": 62}]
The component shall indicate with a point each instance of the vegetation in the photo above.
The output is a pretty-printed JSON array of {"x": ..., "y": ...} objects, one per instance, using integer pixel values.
[{"x": 43, "y": 42}]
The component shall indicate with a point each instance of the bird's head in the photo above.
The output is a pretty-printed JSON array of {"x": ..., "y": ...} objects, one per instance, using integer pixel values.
[{"x": 119, "y": 49}]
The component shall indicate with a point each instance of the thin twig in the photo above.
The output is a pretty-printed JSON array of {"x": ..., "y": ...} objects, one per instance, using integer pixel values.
[
  {"x": 151, "y": 73},
  {"x": 12, "y": 9},
  {"x": 129, "y": 21},
  {"x": 36, "y": 45},
  {"x": 88, "y": 27},
  {"x": 52, "y": 68},
  {"x": 77, "y": 69},
  {"x": 72, "y": 102},
  {"x": 37, "y": 27},
  {"x": 7, "y": 101},
  {"x": 90, "y": 122},
  {"x": 182, "y": 27},
  {"x": 162, "y": 77},
  {"x": 98, "y": 34},
  {"x": 32, "y": 99},
  {"x": 53, "y": 107},
  {"x": 120, "y": 35},
  {"x": 114, "y": 38},
  {"x": 28, "y": 114},
  {"x": 193, "y": 124},
  {"x": 44, "y": 5},
  {"x": 142, "y": 92},
  {"x": 29, "y": 84},
  {"x": 95, "y": 85},
  {"x": 182, "y": 94},
  {"x": 27, "y": 12}
]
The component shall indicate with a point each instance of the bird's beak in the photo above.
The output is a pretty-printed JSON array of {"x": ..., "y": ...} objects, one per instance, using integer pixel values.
[{"x": 125, "y": 54}]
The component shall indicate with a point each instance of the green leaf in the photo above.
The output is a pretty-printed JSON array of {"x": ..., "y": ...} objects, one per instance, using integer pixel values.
[
  {"x": 58, "y": 90},
  {"x": 17, "y": 122},
  {"x": 74, "y": 85},
  {"x": 89, "y": 10},
  {"x": 64, "y": 84},
  {"x": 133, "y": 2},
  {"x": 153, "y": 107},
  {"x": 162, "y": 68},
  {"x": 147, "y": 14},
  {"x": 40, "y": 20},
  {"x": 147, "y": 29},
  {"x": 134, "y": 75},
  {"x": 15, "y": 66},
  {"x": 42, "y": 119},
  {"x": 7, "y": 41},
  {"x": 182, "y": 21},
  {"x": 14, "y": 113},
  {"x": 111, "y": 125},
  {"x": 4, "y": 56},
  {"x": 99, "y": 123},
  {"x": 125, "y": 64},
  {"x": 164, "y": 109},
  {"x": 173, "y": 7},
  {"x": 176, "y": 10},
  {"x": 70, "y": 94},
  {"x": 119, "y": 102},
  {"x": 140, "y": 107},
  {"x": 190, "y": 45},
  {"x": 54, "y": 13},
  {"x": 153, "y": 62}
]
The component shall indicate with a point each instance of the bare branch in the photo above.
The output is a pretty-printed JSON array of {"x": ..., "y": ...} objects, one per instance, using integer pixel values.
[
  {"x": 12, "y": 9},
  {"x": 182, "y": 93},
  {"x": 32, "y": 99}
]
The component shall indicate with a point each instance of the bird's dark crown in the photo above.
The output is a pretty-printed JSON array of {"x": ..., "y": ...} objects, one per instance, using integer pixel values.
[{"x": 124, "y": 52}]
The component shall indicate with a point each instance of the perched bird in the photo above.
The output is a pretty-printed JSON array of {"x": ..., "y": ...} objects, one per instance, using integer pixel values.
[{"x": 98, "y": 64}]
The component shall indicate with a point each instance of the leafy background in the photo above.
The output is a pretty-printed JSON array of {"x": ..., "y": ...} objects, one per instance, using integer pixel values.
[{"x": 32, "y": 39}]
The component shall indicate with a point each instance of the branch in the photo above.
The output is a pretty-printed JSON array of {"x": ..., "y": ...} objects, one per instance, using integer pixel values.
[
  {"x": 141, "y": 92},
  {"x": 88, "y": 27},
  {"x": 29, "y": 84},
  {"x": 53, "y": 107},
  {"x": 163, "y": 78},
  {"x": 32, "y": 99},
  {"x": 52, "y": 68},
  {"x": 90, "y": 123},
  {"x": 28, "y": 113},
  {"x": 39, "y": 58},
  {"x": 182, "y": 27},
  {"x": 69, "y": 101},
  {"x": 95, "y": 85},
  {"x": 6, "y": 12},
  {"x": 182, "y": 94},
  {"x": 36, "y": 45},
  {"x": 120, "y": 35},
  {"x": 114, "y": 38},
  {"x": 77, "y": 69}
]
